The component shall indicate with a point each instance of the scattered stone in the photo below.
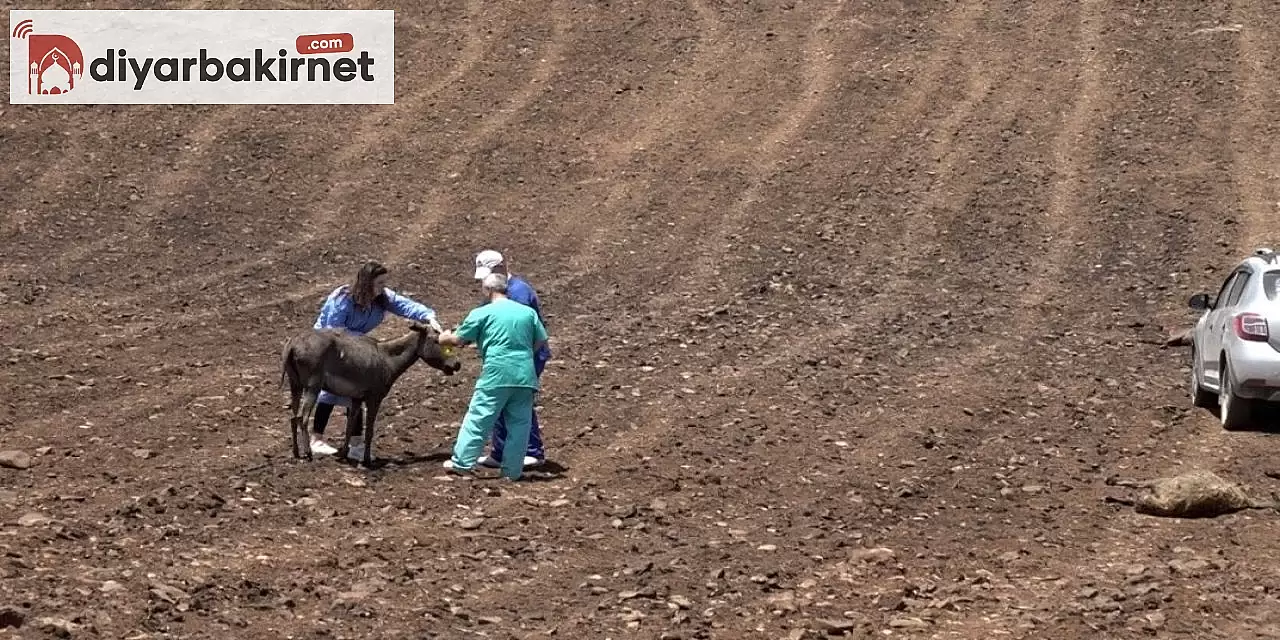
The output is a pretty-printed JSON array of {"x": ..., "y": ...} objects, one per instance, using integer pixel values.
[
  {"x": 878, "y": 555},
  {"x": 142, "y": 453},
  {"x": 34, "y": 520},
  {"x": 15, "y": 459},
  {"x": 56, "y": 626},
  {"x": 908, "y": 623},
  {"x": 471, "y": 523},
  {"x": 11, "y": 617},
  {"x": 1188, "y": 567},
  {"x": 834, "y": 626},
  {"x": 168, "y": 593},
  {"x": 1197, "y": 494},
  {"x": 111, "y": 586},
  {"x": 561, "y": 503}
]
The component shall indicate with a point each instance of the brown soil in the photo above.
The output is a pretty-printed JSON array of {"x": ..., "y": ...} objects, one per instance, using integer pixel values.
[{"x": 858, "y": 312}]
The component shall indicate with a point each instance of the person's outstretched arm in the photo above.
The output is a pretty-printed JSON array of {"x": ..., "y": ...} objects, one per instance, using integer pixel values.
[{"x": 407, "y": 307}]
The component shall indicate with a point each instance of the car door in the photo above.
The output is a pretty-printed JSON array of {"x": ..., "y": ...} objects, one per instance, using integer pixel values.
[
  {"x": 1219, "y": 324},
  {"x": 1216, "y": 320}
]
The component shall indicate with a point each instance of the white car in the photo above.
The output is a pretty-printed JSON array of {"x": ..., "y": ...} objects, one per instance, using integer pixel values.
[{"x": 1235, "y": 345}]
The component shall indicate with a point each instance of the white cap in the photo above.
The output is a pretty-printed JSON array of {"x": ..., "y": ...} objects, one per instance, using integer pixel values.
[{"x": 485, "y": 262}]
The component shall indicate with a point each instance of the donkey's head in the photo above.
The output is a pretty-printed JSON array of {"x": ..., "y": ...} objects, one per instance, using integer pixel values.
[{"x": 431, "y": 352}]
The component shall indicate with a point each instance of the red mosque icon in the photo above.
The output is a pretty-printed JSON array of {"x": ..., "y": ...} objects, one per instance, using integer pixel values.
[{"x": 54, "y": 62}]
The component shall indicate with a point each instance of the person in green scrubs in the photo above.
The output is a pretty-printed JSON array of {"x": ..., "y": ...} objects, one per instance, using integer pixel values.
[{"x": 506, "y": 334}]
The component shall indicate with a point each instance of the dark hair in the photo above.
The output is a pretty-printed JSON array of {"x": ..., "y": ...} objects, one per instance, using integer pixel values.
[{"x": 362, "y": 290}]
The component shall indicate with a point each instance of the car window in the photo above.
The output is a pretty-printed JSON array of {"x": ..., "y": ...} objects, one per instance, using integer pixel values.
[
  {"x": 1271, "y": 284},
  {"x": 1237, "y": 288},
  {"x": 1221, "y": 299}
]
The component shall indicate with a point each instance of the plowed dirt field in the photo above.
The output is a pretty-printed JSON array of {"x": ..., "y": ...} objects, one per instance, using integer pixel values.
[{"x": 857, "y": 309}]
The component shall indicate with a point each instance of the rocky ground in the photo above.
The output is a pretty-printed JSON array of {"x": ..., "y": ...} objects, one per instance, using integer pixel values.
[{"x": 857, "y": 310}]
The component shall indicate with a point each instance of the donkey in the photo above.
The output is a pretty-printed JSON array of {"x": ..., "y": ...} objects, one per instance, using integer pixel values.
[{"x": 358, "y": 367}]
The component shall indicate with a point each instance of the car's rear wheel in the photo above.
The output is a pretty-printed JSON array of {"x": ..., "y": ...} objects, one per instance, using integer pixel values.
[
  {"x": 1234, "y": 411},
  {"x": 1200, "y": 397}
]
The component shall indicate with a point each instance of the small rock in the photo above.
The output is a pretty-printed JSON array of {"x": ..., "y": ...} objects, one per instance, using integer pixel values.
[
  {"x": 471, "y": 523},
  {"x": 561, "y": 503},
  {"x": 168, "y": 593},
  {"x": 33, "y": 520},
  {"x": 56, "y": 626},
  {"x": 15, "y": 459},
  {"x": 1188, "y": 566},
  {"x": 11, "y": 617},
  {"x": 834, "y": 626},
  {"x": 142, "y": 453},
  {"x": 111, "y": 586},
  {"x": 878, "y": 555},
  {"x": 1033, "y": 488},
  {"x": 908, "y": 623},
  {"x": 1155, "y": 620},
  {"x": 767, "y": 547},
  {"x": 681, "y": 602}
]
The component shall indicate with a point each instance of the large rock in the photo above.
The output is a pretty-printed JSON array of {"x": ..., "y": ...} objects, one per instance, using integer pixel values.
[
  {"x": 15, "y": 459},
  {"x": 1198, "y": 494}
]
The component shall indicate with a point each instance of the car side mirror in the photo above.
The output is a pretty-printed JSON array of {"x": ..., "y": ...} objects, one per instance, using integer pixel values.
[{"x": 1199, "y": 302}]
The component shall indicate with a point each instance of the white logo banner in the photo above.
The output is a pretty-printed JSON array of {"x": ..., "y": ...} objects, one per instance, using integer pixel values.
[{"x": 201, "y": 57}]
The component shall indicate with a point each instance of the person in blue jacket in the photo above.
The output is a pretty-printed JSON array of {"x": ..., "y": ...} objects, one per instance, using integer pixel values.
[
  {"x": 519, "y": 290},
  {"x": 359, "y": 308}
]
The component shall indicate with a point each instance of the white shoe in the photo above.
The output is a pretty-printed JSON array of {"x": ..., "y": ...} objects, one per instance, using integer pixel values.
[
  {"x": 488, "y": 461},
  {"x": 320, "y": 447}
]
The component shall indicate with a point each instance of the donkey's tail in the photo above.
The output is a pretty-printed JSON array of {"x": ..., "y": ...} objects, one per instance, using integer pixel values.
[{"x": 286, "y": 360}]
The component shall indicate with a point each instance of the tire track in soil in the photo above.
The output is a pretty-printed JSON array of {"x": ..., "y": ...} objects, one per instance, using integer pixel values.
[
  {"x": 1252, "y": 128},
  {"x": 995, "y": 89},
  {"x": 162, "y": 190},
  {"x": 985, "y": 96},
  {"x": 935, "y": 71},
  {"x": 764, "y": 160},
  {"x": 436, "y": 199},
  {"x": 921, "y": 98},
  {"x": 888, "y": 122},
  {"x": 650, "y": 127},
  {"x": 815, "y": 89},
  {"x": 874, "y": 449},
  {"x": 1061, "y": 225},
  {"x": 371, "y": 133},
  {"x": 67, "y": 157}
]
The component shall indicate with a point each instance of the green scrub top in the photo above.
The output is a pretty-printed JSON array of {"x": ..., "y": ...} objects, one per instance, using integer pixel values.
[{"x": 504, "y": 332}]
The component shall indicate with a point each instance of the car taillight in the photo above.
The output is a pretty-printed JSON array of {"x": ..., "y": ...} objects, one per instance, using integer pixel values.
[{"x": 1251, "y": 326}]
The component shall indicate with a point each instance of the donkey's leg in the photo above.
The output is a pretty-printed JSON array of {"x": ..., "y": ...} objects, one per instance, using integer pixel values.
[
  {"x": 295, "y": 402},
  {"x": 373, "y": 405},
  {"x": 355, "y": 416},
  {"x": 308, "y": 409}
]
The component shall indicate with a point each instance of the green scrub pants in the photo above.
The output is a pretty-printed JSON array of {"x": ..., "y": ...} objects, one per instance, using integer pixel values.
[{"x": 515, "y": 405}]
